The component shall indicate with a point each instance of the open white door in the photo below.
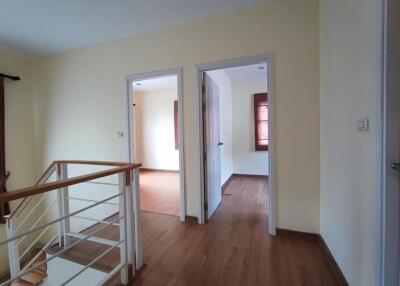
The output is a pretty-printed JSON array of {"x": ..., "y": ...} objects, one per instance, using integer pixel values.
[{"x": 211, "y": 146}]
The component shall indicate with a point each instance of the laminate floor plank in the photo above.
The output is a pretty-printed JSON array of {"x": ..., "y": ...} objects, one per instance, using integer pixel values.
[
  {"x": 232, "y": 249},
  {"x": 160, "y": 192}
]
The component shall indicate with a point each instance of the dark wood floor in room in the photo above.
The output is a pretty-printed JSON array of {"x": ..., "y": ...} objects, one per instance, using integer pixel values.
[
  {"x": 232, "y": 249},
  {"x": 159, "y": 192}
]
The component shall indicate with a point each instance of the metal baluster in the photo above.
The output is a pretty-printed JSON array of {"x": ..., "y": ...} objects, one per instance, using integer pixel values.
[
  {"x": 13, "y": 255},
  {"x": 65, "y": 206},
  {"x": 130, "y": 219},
  {"x": 61, "y": 230},
  {"x": 137, "y": 217},
  {"x": 123, "y": 229}
]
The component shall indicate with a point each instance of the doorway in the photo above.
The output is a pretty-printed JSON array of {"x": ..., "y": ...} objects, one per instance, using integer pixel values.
[
  {"x": 236, "y": 119},
  {"x": 390, "y": 266},
  {"x": 155, "y": 138}
]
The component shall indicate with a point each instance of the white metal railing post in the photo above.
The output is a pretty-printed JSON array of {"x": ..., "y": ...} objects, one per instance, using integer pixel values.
[
  {"x": 123, "y": 229},
  {"x": 65, "y": 206},
  {"x": 13, "y": 255},
  {"x": 61, "y": 230},
  {"x": 137, "y": 217},
  {"x": 130, "y": 219}
]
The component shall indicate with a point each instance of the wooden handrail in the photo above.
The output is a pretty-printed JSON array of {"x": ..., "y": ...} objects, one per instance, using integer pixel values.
[
  {"x": 35, "y": 190},
  {"x": 45, "y": 176},
  {"x": 98, "y": 163}
]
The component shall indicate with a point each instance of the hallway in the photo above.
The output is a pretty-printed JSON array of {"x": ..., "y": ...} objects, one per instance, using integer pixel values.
[{"x": 232, "y": 249}]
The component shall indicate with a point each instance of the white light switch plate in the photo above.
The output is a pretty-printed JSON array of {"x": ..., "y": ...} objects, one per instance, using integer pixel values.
[{"x": 363, "y": 125}]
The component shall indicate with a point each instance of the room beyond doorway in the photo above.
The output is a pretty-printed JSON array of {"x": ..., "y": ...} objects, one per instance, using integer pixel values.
[
  {"x": 155, "y": 140},
  {"x": 243, "y": 135}
]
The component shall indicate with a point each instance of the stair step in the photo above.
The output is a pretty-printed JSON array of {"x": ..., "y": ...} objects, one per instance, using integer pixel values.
[
  {"x": 21, "y": 283},
  {"x": 42, "y": 257},
  {"x": 35, "y": 277}
]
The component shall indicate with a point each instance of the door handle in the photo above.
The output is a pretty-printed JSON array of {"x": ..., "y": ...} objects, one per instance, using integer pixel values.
[
  {"x": 395, "y": 166},
  {"x": 220, "y": 143}
]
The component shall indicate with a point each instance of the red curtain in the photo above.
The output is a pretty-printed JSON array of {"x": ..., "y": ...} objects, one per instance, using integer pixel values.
[
  {"x": 4, "y": 208},
  {"x": 261, "y": 121},
  {"x": 176, "y": 125}
]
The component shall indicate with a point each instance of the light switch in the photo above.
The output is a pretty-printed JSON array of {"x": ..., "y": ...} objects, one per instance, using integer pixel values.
[
  {"x": 120, "y": 134},
  {"x": 363, "y": 125}
]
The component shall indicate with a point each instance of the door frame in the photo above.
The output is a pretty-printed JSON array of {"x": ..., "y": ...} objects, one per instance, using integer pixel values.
[
  {"x": 129, "y": 126},
  {"x": 230, "y": 63},
  {"x": 390, "y": 245}
]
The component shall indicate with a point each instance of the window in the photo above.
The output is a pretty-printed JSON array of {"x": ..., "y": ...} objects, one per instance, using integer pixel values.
[
  {"x": 176, "y": 127},
  {"x": 261, "y": 121}
]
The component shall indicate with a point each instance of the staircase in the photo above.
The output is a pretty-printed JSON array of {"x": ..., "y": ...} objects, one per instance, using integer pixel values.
[
  {"x": 35, "y": 277},
  {"x": 49, "y": 203}
]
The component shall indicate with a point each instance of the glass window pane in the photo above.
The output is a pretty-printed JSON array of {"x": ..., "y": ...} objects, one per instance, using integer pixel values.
[
  {"x": 263, "y": 142},
  {"x": 263, "y": 112},
  {"x": 262, "y": 129}
]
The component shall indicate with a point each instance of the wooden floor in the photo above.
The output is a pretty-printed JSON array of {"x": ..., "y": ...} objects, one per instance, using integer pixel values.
[
  {"x": 159, "y": 192},
  {"x": 232, "y": 249}
]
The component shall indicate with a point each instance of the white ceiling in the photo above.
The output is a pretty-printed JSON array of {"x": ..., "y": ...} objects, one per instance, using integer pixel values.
[
  {"x": 247, "y": 72},
  {"x": 41, "y": 27},
  {"x": 155, "y": 84}
]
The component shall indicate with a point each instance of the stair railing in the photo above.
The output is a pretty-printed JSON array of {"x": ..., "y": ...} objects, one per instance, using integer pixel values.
[{"x": 128, "y": 220}]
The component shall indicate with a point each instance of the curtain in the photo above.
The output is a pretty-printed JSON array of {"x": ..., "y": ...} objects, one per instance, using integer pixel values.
[
  {"x": 4, "y": 208},
  {"x": 176, "y": 125}
]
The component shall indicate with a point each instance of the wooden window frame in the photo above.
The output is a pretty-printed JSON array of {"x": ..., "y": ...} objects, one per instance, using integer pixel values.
[{"x": 259, "y": 98}]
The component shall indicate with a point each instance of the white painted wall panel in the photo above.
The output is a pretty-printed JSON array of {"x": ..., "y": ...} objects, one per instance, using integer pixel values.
[
  {"x": 154, "y": 129},
  {"x": 349, "y": 90}
]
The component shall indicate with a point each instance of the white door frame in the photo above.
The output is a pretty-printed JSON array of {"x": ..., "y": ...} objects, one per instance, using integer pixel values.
[
  {"x": 199, "y": 69},
  {"x": 390, "y": 245},
  {"x": 128, "y": 91}
]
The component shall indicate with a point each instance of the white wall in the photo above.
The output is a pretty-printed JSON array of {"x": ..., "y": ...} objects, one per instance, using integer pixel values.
[
  {"x": 19, "y": 134},
  {"x": 246, "y": 159},
  {"x": 225, "y": 112},
  {"x": 238, "y": 153},
  {"x": 154, "y": 129},
  {"x": 349, "y": 90},
  {"x": 79, "y": 103}
]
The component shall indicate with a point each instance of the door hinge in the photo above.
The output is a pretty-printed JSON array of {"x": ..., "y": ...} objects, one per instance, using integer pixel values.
[
  {"x": 204, "y": 106},
  {"x": 204, "y": 157},
  {"x": 206, "y": 206}
]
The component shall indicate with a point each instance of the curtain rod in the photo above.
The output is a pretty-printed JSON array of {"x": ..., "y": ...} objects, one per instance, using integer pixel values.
[{"x": 10, "y": 76}]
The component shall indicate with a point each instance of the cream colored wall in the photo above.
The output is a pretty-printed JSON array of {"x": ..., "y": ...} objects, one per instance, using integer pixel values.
[
  {"x": 350, "y": 89},
  {"x": 19, "y": 131},
  {"x": 154, "y": 129},
  {"x": 79, "y": 103}
]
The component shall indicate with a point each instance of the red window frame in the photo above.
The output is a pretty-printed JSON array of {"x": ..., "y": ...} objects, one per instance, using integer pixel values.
[{"x": 261, "y": 121}]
